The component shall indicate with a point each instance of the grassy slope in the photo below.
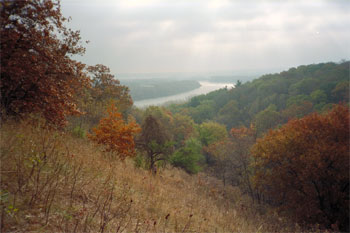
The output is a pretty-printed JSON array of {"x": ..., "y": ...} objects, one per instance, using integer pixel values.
[{"x": 53, "y": 182}]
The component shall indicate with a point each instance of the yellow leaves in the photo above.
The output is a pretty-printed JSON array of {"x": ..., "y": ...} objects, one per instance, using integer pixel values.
[{"x": 116, "y": 134}]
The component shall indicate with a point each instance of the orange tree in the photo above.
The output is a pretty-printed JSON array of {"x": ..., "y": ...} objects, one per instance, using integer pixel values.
[
  {"x": 37, "y": 72},
  {"x": 303, "y": 168},
  {"x": 115, "y": 134}
]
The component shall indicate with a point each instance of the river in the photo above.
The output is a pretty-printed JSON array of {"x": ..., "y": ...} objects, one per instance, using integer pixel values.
[{"x": 205, "y": 88}]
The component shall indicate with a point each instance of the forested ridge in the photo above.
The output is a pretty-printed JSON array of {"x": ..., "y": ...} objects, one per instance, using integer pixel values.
[
  {"x": 270, "y": 155},
  {"x": 273, "y": 99}
]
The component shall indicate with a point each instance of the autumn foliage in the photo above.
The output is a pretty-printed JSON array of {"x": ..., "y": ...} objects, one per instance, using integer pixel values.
[
  {"x": 232, "y": 158},
  {"x": 115, "y": 134},
  {"x": 303, "y": 168},
  {"x": 37, "y": 72}
]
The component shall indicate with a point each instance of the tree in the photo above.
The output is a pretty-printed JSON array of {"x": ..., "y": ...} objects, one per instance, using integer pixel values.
[
  {"x": 154, "y": 141},
  {"x": 318, "y": 96},
  {"x": 209, "y": 133},
  {"x": 230, "y": 114},
  {"x": 116, "y": 135},
  {"x": 104, "y": 89},
  {"x": 267, "y": 119},
  {"x": 37, "y": 72},
  {"x": 303, "y": 168},
  {"x": 341, "y": 92},
  {"x": 296, "y": 111},
  {"x": 189, "y": 157},
  {"x": 164, "y": 117},
  {"x": 204, "y": 111},
  {"x": 183, "y": 129},
  {"x": 232, "y": 158}
]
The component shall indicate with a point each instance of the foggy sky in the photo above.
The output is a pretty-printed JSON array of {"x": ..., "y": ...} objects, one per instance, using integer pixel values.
[{"x": 143, "y": 36}]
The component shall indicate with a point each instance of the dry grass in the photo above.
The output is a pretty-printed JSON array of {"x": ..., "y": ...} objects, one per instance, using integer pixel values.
[{"x": 53, "y": 182}]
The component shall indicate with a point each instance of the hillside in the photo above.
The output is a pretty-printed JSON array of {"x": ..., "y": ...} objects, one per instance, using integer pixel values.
[
  {"x": 292, "y": 93},
  {"x": 270, "y": 155},
  {"x": 53, "y": 182}
]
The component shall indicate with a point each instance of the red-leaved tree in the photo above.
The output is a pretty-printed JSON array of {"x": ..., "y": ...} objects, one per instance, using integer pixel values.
[
  {"x": 37, "y": 72},
  {"x": 303, "y": 168}
]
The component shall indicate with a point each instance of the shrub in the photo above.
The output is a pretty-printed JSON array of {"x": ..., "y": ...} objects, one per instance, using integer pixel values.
[{"x": 189, "y": 157}]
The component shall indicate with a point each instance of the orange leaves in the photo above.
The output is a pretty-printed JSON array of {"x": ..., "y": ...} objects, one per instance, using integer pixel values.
[
  {"x": 115, "y": 134},
  {"x": 243, "y": 132},
  {"x": 307, "y": 161}
]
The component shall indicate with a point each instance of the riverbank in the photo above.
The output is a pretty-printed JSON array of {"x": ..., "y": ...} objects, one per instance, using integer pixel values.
[
  {"x": 205, "y": 87},
  {"x": 141, "y": 89}
]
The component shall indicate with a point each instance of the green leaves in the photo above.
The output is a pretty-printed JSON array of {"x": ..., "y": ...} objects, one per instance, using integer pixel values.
[
  {"x": 211, "y": 132},
  {"x": 189, "y": 157}
]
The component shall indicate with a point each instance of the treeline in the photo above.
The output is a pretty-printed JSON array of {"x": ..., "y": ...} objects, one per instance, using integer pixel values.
[
  {"x": 141, "y": 89},
  {"x": 231, "y": 79},
  {"x": 273, "y": 99}
]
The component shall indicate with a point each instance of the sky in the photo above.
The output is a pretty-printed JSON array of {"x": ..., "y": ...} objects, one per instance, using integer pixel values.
[{"x": 156, "y": 36}]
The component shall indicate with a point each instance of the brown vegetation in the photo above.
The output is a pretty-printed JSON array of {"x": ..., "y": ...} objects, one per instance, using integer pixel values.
[
  {"x": 303, "y": 168},
  {"x": 51, "y": 181},
  {"x": 37, "y": 72}
]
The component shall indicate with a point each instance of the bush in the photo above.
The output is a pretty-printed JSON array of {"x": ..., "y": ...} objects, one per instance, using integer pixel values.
[
  {"x": 188, "y": 157},
  {"x": 78, "y": 132}
]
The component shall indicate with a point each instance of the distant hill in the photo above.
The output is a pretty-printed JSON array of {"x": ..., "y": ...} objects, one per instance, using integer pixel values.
[{"x": 274, "y": 97}]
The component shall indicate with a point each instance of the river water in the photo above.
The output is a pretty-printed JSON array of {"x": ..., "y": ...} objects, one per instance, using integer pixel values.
[{"x": 205, "y": 88}]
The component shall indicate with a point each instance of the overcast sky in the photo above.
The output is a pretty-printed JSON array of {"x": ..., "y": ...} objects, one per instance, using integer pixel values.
[{"x": 147, "y": 36}]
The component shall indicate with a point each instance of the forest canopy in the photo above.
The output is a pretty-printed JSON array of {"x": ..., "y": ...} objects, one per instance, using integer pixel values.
[{"x": 281, "y": 141}]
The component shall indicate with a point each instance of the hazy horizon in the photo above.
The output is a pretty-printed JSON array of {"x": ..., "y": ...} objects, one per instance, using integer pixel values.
[{"x": 210, "y": 36}]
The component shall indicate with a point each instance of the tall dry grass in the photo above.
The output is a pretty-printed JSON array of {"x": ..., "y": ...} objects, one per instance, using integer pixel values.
[{"x": 53, "y": 182}]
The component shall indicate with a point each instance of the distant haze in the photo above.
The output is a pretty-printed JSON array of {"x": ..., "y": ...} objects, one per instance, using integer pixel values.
[{"x": 153, "y": 36}]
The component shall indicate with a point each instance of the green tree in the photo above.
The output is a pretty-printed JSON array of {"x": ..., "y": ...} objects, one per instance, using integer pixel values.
[
  {"x": 238, "y": 83},
  {"x": 230, "y": 115},
  {"x": 183, "y": 128},
  {"x": 154, "y": 141},
  {"x": 189, "y": 157},
  {"x": 298, "y": 99},
  {"x": 341, "y": 92},
  {"x": 211, "y": 132},
  {"x": 204, "y": 111},
  {"x": 318, "y": 96},
  {"x": 267, "y": 119}
]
